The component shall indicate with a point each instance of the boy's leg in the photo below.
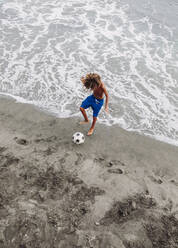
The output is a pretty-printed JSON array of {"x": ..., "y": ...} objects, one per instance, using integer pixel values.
[
  {"x": 92, "y": 126},
  {"x": 96, "y": 109},
  {"x": 84, "y": 115},
  {"x": 85, "y": 104}
]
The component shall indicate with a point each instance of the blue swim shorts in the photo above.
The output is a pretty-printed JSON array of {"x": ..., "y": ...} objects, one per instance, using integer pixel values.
[{"x": 94, "y": 103}]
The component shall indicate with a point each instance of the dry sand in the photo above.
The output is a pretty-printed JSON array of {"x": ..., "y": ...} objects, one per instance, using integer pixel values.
[{"x": 117, "y": 190}]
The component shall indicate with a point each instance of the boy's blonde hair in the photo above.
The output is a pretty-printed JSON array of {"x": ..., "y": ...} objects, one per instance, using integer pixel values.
[{"x": 91, "y": 80}]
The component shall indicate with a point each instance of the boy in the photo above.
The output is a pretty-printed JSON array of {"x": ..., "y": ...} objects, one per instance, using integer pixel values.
[{"x": 93, "y": 82}]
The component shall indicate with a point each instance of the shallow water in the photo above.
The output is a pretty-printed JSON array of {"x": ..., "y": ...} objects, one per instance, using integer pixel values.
[{"x": 46, "y": 46}]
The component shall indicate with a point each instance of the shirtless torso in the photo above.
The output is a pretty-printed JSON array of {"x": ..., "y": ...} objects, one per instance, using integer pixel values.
[{"x": 99, "y": 91}]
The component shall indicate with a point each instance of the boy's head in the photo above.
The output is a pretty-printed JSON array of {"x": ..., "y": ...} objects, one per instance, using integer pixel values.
[{"x": 91, "y": 81}]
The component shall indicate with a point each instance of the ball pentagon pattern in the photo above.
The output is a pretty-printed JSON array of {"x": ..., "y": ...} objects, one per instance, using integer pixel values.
[{"x": 78, "y": 138}]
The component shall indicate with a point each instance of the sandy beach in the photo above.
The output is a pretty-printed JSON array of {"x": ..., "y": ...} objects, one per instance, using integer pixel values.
[{"x": 117, "y": 190}]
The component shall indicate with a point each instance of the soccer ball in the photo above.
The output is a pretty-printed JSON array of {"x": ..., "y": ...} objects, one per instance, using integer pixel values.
[{"x": 78, "y": 138}]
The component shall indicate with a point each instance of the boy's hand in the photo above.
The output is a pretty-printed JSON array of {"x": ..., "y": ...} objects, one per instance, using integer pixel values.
[{"x": 106, "y": 109}]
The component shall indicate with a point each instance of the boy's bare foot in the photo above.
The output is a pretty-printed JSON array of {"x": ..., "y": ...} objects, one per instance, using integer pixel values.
[
  {"x": 90, "y": 132},
  {"x": 83, "y": 122}
]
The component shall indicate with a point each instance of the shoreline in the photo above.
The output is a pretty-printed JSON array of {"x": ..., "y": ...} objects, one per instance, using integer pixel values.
[
  {"x": 118, "y": 189},
  {"x": 20, "y": 100}
]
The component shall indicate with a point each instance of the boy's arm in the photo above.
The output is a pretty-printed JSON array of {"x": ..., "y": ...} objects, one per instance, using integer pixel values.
[{"x": 107, "y": 98}]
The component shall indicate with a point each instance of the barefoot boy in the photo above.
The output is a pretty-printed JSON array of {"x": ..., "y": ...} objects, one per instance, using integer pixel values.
[{"x": 93, "y": 82}]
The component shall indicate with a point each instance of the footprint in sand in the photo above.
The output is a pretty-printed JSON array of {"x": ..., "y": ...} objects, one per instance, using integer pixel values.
[
  {"x": 116, "y": 171},
  {"x": 115, "y": 162},
  {"x": 2, "y": 149},
  {"x": 48, "y": 139},
  {"x": 80, "y": 158},
  {"x": 156, "y": 180},
  {"x": 174, "y": 182},
  {"x": 21, "y": 141}
]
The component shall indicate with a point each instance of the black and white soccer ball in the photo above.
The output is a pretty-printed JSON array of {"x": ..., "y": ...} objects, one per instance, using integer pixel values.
[{"x": 78, "y": 138}]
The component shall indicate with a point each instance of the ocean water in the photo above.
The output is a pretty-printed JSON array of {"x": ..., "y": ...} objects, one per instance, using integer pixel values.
[{"x": 47, "y": 45}]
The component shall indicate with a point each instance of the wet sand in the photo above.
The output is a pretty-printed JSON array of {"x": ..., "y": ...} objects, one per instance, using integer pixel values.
[{"x": 118, "y": 189}]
